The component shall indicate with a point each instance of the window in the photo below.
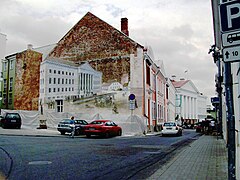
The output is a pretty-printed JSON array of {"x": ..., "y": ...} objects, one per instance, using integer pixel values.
[
  {"x": 49, "y": 90},
  {"x": 58, "y": 80},
  {"x": 66, "y": 73},
  {"x": 54, "y": 71},
  {"x": 72, "y": 89},
  {"x": 11, "y": 84},
  {"x": 4, "y": 85},
  {"x": 62, "y": 89},
  {"x": 69, "y": 89},
  {"x": 54, "y": 80},
  {"x": 58, "y": 89},
  {"x": 69, "y": 81},
  {"x": 5, "y": 66},
  {"x": 62, "y": 72},
  {"x": 62, "y": 81},
  {"x": 10, "y": 98},
  {"x": 50, "y": 80},
  {"x": 66, "y": 81},
  {"x": 66, "y": 89},
  {"x": 72, "y": 81},
  {"x": 59, "y": 72},
  {"x": 70, "y": 73},
  {"x": 11, "y": 64},
  {"x": 54, "y": 89},
  {"x": 59, "y": 105},
  {"x": 50, "y": 71},
  {"x": 148, "y": 75}
]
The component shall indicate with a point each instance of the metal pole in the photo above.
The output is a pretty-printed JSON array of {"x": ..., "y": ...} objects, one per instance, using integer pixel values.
[
  {"x": 220, "y": 79},
  {"x": 230, "y": 122}
]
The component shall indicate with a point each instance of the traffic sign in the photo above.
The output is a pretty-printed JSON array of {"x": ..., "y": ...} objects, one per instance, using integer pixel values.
[
  {"x": 230, "y": 16},
  {"x": 131, "y": 97},
  {"x": 231, "y": 39},
  {"x": 231, "y": 54}
]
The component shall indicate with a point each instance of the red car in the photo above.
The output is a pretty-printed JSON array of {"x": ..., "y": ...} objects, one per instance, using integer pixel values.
[{"x": 104, "y": 128}]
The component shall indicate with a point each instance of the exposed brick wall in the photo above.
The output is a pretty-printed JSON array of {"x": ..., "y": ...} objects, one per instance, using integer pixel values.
[
  {"x": 27, "y": 80},
  {"x": 92, "y": 39}
]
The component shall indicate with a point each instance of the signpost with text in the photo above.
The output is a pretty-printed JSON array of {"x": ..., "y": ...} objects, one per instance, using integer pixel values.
[{"x": 230, "y": 28}]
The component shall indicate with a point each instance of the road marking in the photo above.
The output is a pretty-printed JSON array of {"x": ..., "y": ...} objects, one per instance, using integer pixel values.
[{"x": 39, "y": 162}]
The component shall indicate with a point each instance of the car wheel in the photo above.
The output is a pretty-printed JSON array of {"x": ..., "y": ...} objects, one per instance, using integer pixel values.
[
  {"x": 119, "y": 133},
  {"x": 62, "y": 132},
  {"x": 88, "y": 135},
  {"x": 77, "y": 132},
  {"x": 107, "y": 135},
  {"x": 3, "y": 126}
]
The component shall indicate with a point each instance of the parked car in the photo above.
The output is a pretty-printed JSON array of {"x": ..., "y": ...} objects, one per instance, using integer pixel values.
[
  {"x": 65, "y": 126},
  {"x": 11, "y": 120},
  {"x": 171, "y": 128},
  {"x": 104, "y": 128},
  {"x": 198, "y": 126}
]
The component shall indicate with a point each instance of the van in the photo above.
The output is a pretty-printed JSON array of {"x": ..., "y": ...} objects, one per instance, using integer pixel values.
[{"x": 11, "y": 120}]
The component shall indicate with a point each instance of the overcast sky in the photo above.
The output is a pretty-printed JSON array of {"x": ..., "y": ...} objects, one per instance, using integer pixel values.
[{"x": 179, "y": 32}]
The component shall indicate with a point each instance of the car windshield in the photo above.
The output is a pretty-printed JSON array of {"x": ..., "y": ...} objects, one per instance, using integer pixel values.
[
  {"x": 169, "y": 124},
  {"x": 67, "y": 121},
  {"x": 81, "y": 122},
  {"x": 97, "y": 122},
  {"x": 13, "y": 116}
]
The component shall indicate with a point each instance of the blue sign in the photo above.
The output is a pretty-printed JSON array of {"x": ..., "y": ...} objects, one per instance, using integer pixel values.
[
  {"x": 131, "y": 97},
  {"x": 230, "y": 16},
  {"x": 215, "y": 100}
]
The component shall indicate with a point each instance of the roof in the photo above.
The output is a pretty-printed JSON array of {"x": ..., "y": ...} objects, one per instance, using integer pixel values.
[
  {"x": 81, "y": 41},
  {"x": 179, "y": 84}
]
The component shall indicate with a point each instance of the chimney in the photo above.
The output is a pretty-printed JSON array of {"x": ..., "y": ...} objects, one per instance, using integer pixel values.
[
  {"x": 124, "y": 26},
  {"x": 30, "y": 46}
]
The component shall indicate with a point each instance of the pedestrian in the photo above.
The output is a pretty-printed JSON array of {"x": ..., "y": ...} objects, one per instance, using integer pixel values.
[{"x": 72, "y": 125}]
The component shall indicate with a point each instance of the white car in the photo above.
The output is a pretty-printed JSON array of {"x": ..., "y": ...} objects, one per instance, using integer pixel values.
[{"x": 171, "y": 128}]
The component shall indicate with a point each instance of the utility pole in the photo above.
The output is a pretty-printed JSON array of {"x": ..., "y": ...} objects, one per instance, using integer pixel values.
[{"x": 230, "y": 123}]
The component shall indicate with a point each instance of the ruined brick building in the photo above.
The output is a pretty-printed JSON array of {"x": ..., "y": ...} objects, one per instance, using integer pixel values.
[{"x": 103, "y": 46}]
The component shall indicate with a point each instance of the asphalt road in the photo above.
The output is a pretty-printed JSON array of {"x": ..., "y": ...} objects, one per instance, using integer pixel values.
[{"x": 24, "y": 157}]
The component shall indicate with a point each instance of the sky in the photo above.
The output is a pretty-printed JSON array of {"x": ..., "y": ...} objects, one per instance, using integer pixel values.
[{"x": 180, "y": 32}]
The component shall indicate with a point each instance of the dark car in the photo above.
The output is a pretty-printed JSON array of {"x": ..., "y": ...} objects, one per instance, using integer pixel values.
[
  {"x": 11, "y": 120},
  {"x": 66, "y": 126},
  {"x": 104, "y": 128}
]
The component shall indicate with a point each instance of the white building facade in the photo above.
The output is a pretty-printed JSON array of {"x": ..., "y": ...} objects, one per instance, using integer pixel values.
[
  {"x": 191, "y": 105},
  {"x": 64, "y": 80}
]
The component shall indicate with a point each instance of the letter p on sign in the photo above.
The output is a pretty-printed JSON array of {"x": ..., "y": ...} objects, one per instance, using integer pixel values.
[{"x": 233, "y": 12}]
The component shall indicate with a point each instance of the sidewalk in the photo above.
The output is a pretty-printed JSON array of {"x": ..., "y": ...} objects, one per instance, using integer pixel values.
[{"x": 205, "y": 158}]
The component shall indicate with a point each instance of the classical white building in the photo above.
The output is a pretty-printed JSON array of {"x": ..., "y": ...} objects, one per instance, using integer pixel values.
[
  {"x": 113, "y": 86},
  {"x": 191, "y": 105},
  {"x": 64, "y": 80}
]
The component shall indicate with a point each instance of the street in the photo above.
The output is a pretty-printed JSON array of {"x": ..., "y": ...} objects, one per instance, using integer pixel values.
[{"x": 27, "y": 157}]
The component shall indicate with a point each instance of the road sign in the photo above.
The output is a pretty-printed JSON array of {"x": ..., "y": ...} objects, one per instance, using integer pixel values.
[
  {"x": 231, "y": 54},
  {"x": 215, "y": 100},
  {"x": 231, "y": 39},
  {"x": 230, "y": 16},
  {"x": 131, "y": 97}
]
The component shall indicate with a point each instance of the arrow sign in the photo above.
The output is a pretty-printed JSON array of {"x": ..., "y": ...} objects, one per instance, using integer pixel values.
[
  {"x": 227, "y": 55},
  {"x": 231, "y": 54}
]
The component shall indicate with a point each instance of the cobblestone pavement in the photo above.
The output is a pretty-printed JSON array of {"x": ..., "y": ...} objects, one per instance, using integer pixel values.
[{"x": 204, "y": 159}]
